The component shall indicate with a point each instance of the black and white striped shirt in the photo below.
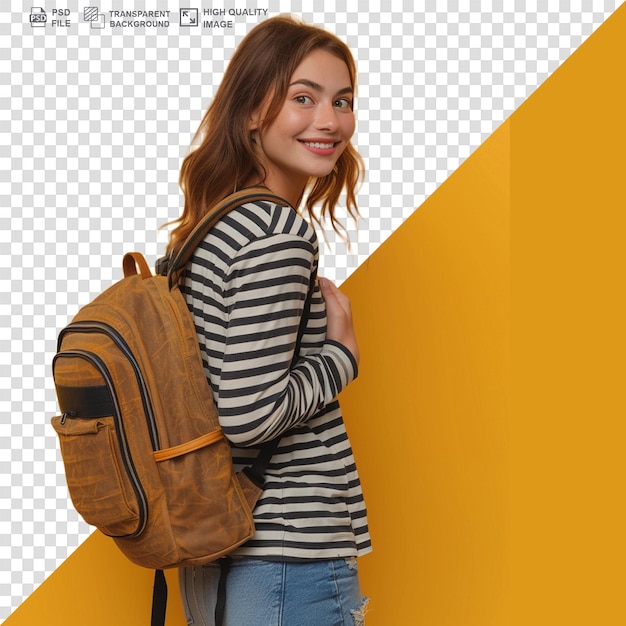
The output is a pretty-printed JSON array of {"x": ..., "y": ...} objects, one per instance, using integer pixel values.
[{"x": 246, "y": 287}]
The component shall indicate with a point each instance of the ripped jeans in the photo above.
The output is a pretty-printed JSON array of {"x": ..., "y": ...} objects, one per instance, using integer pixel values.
[{"x": 269, "y": 593}]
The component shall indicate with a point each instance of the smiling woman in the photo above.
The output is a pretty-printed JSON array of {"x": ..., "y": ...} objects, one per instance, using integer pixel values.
[
  {"x": 277, "y": 345},
  {"x": 258, "y": 78},
  {"x": 311, "y": 130}
]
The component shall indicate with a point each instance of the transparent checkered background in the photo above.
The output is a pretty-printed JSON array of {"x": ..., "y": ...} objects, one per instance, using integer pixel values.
[{"x": 94, "y": 125}]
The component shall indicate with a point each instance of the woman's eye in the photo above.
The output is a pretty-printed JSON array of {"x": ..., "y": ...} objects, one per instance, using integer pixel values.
[
  {"x": 343, "y": 103},
  {"x": 303, "y": 100}
]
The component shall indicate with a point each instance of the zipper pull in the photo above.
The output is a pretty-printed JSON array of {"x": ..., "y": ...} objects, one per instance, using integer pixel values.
[{"x": 67, "y": 414}]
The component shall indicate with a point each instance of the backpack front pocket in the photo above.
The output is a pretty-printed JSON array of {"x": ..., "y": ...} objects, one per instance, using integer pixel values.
[
  {"x": 96, "y": 478},
  {"x": 101, "y": 476}
]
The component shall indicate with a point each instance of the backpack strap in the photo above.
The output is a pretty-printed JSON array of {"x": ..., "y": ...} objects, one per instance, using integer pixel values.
[
  {"x": 174, "y": 267},
  {"x": 159, "y": 599}
]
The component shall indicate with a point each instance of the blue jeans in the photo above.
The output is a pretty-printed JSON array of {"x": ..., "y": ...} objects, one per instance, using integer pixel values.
[{"x": 267, "y": 593}]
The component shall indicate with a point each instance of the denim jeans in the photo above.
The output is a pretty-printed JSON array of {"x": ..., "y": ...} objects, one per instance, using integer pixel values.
[{"x": 267, "y": 593}]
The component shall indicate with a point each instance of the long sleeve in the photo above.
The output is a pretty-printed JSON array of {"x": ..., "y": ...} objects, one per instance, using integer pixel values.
[{"x": 260, "y": 395}]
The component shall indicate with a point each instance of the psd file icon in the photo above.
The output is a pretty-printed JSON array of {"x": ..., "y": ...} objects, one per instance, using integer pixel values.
[{"x": 38, "y": 17}]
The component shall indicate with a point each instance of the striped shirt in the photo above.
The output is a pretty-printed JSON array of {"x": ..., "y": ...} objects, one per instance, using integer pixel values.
[{"x": 246, "y": 286}]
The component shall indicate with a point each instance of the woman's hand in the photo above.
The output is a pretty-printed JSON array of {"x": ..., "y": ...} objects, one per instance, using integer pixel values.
[{"x": 339, "y": 327}]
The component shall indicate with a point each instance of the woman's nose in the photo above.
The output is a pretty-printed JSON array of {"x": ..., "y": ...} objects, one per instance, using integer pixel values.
[{"x": 326, "y": 118}]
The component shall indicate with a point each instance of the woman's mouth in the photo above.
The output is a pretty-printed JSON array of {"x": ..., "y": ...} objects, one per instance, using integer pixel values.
[{"x": 323, "y": 148}]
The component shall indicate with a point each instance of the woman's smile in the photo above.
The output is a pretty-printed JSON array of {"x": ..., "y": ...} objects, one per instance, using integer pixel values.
[{"x": 320, "y": 147}]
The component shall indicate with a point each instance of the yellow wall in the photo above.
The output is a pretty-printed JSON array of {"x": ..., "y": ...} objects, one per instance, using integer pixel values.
[
  {"x": 496, "y": 496},
  {"x": 495, "y": 491},
  {"x": 568, "y": 190},
  {"x": 428, "y": 415}
]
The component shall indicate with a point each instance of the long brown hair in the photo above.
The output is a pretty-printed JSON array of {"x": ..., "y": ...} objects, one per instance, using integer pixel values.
[{"x": 225, "y": 158}]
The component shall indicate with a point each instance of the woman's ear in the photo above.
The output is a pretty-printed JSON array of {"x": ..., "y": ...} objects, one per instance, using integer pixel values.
[
  {"x": 258, "y": 115},
  {"x": 253, "y": 122}
]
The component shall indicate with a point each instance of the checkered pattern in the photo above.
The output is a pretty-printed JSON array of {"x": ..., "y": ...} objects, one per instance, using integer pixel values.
[{"x": 95, "y": 123}]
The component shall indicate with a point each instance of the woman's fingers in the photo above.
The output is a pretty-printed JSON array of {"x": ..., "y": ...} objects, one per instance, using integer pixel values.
[{"x": 340, "y": 326}]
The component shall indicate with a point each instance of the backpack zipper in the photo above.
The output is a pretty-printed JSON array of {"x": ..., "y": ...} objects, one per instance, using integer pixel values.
[
  {"x": 120, "y": 342},
  {"x": 127, "y": 459},
  {"x": 65, "y": 415}
]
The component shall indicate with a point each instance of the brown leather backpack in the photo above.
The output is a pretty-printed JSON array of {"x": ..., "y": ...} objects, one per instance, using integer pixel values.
[{"x": 145, "y": 458}]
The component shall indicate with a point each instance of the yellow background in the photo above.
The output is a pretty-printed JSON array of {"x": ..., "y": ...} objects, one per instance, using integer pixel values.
[{"x": 488, "y": 419}]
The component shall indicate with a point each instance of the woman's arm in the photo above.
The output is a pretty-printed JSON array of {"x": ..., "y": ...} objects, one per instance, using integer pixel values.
[{"x": 260, "y": 394}]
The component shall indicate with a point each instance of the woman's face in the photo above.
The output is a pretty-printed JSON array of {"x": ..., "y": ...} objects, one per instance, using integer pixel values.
[{"x": 313, "y": 127}]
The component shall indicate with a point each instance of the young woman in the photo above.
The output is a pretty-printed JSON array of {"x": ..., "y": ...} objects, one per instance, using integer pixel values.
[{"x": 282, "y": 118}]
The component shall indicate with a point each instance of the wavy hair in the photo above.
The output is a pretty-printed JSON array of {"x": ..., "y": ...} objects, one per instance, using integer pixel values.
[{"x": 225, "y": 158}]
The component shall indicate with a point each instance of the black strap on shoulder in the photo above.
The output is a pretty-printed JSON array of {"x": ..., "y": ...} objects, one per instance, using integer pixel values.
[{"x": 159, "y": 599}]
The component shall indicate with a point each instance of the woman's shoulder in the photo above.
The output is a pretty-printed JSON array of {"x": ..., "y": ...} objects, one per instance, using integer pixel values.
[{"x": 253, "y": 221}]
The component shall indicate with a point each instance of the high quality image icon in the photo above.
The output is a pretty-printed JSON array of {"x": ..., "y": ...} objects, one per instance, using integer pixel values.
[{"x": 189, "y": 17}]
